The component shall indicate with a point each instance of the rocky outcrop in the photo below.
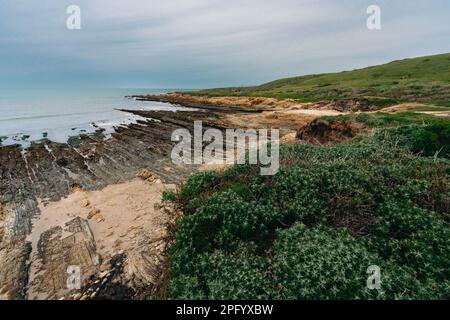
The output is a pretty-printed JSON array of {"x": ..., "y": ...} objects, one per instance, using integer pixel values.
[
  {"x": 234, "y": 104},
  {"x": 348, "y": 105},
  {"x": 329, "y": 131},
  {"x": 14, "y": 269},
  {"x": 50, "y": 171},
  {"x": 58, "y": 249}
]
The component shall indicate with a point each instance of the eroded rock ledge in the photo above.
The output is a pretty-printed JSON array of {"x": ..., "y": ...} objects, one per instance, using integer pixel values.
[
  {"x": 49, "y": 171},
  {"x": 234, "y": 104},
  {"x": 258, "y": 104}
]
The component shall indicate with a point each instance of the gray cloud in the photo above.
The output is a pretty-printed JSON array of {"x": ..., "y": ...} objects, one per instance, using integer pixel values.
[{"x": 203, "y": 43}]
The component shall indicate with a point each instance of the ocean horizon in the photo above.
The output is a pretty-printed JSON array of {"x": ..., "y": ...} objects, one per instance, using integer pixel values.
[{"x": 28, "y": 115}]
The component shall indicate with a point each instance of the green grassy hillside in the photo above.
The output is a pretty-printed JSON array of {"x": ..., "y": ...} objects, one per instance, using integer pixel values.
[{"x": 424, "y": 79}]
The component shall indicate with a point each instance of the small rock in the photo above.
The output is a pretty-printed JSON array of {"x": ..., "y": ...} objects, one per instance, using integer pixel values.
[
  {"x": 85, "y": 203},
  {"x": 76, "y": 188},
  {"x": 77, "y": 296},
  {"x": 103, "y": 274},
  {"x": 92, "y": 213},
  {"x": 144, "y": 174},
  {"x": 99, "y": 218}
]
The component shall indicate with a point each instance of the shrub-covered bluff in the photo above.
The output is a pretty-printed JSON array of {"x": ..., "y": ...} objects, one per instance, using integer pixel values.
[{"x": 312, "y": 230}]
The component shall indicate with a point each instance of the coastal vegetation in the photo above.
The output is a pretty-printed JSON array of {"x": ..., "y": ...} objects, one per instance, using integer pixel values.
[
  {"x": 312, "y": 230},
  {"x": 423, "y": 79}
]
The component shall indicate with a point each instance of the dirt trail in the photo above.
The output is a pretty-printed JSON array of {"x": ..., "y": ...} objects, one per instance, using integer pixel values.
[{"x": 416, "y": 107}]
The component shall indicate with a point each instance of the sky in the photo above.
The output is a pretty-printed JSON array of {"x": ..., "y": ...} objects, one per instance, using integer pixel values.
[{"x": 207, "y": 43}]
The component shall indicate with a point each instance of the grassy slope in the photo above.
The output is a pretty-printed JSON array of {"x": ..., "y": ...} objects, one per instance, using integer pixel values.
[{"x": 424, "y": 79}]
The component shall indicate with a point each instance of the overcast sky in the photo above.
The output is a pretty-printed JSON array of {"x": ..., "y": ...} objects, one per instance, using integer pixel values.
[{"x": 207, "y": 43}]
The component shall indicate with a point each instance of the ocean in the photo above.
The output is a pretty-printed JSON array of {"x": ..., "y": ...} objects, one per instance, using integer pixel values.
[{"x": 28, "y": 115}]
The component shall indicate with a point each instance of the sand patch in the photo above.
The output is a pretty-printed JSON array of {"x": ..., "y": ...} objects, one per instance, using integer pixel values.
[
  {"x": 418, "y": 108},
  {"x": 315, "y": 112},
  {"x": 122, "y": 218},
  {"x": 437, "y": 113},
  {"x": 403, "y": 107}
]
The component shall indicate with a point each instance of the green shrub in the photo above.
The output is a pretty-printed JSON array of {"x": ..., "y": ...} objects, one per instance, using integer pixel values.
[
  {"x": 311, "y": 230},
  {"x": 384, "y": 119},
  {"x": 198, "y": 183},
  {"x": 321, "y": 264},
  {"x": 414, "y": 237},
  {"x": 169, "y": 196},
  {"x": 218, "y": 275},
  {"x": 330, "y": 264},
  {"x": 428, "y": 140}
]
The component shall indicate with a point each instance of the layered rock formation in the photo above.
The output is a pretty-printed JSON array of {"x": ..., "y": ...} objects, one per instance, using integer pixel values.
[
  {"x": 45, "y": 173},
  {"x": 49, "y": 171}
]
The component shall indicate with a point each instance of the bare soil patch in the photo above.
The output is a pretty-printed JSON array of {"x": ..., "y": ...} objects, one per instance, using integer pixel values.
[{"x": 330, "y": 131}]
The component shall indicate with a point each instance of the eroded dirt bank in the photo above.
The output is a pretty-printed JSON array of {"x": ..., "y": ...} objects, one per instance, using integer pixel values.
[
  {"x": 236, "y": 104},
  {"x": 249, "y": 104},
  {"x": 68, "y": 204}
]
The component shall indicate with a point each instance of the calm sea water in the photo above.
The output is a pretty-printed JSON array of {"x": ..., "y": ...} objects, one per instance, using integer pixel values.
[{"x": 32, "y": 114}]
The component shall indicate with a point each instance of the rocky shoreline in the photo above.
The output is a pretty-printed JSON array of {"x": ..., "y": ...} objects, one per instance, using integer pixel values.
[{"x": 47, "y": 173}]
